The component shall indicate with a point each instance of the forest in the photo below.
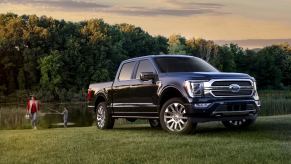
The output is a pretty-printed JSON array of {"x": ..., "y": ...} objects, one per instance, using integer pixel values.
[{"x": 58, "y": 58}]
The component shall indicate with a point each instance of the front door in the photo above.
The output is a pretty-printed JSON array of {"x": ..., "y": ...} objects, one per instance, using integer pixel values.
[{"x": 144, "y": 93}]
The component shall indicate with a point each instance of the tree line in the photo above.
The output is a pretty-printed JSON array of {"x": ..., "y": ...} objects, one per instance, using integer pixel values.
[{"x": 60, "y": 57}]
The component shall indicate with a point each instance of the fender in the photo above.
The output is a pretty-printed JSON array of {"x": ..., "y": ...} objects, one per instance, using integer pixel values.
[
  {"x": 100, "y": 94},
  {"x": 98, "y": 97},
  {"x": 179, "y": 89}
]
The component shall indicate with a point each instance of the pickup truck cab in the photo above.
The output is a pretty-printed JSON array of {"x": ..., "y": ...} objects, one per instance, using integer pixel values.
[{"x": 175, "y": 92}]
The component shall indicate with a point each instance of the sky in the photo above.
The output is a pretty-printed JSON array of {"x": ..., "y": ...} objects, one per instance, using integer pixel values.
[{"x": 209, "y": 19}]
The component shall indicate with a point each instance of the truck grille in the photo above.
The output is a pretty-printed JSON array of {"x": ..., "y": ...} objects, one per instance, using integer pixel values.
[
  {"x": 230, "y": 88},
  {"x": 227, "y": 83},
  {"x": 230, "y": 93}
]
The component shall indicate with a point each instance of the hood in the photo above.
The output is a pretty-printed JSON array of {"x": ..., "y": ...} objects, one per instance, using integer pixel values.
[{"x": 207, "y": 75}]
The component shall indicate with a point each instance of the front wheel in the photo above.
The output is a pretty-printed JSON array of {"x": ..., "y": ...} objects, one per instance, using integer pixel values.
[
  {"x": 236, "y": 124},
  {"x": 172, "y": 117},
  {"x": 104, "y": 119}
]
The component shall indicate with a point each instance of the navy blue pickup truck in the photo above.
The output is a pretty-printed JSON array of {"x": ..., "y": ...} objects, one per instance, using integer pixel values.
[{"x": 175, "y": 92}]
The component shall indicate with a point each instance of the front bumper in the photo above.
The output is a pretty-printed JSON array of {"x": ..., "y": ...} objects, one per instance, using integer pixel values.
[{"x": 222, "y": 110}]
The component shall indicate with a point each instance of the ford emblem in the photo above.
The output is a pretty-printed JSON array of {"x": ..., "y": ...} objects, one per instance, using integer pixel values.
[{"x": 234, "y": 88}]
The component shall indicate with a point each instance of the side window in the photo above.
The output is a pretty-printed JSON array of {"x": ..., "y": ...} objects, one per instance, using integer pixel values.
[
  {"x": 126, "y": 71},
  {"x": 144, "y": 66}
]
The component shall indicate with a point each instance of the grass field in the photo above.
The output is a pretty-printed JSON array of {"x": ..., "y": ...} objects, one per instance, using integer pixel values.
[
  {"x": 268, "y": 141},
  {"x": 275, "y": 102}
]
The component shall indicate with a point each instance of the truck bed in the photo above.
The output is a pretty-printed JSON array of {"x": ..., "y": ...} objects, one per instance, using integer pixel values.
[{"x": 99, "y": 86}]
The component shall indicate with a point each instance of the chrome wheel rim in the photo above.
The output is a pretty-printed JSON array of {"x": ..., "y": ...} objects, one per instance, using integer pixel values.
[
  {"x": 101, "y": 116},
  {"x": 173, "y": 117},
  {"x": 237, "y": 122}
]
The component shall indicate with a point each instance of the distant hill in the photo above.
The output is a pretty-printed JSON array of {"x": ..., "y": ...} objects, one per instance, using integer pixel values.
[{"x": 253, "y": 43}]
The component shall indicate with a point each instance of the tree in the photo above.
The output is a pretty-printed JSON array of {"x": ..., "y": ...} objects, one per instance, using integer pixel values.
[
  {"x": 177, "y": 45},
  {"x": 202, "y": 48},
  {"x": 51, "y": 72},
  {"x": 63, "y": 57},
  {"x": 161, "y": 45},
  {"x": 272, "y": 67},
  {"x": 136, "y": 42},
  {"x": 225, "y": 60}
]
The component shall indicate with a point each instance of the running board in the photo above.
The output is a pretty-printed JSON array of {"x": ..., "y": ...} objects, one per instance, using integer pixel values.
[{"x": 140, "y": 117}]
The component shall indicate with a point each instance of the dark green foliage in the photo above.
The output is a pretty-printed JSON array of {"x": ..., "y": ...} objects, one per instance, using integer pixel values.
[
  {"x": 161, "y": 45},
  {"x": 51, "y": 72},
  {"x": 58, "y": 58},
  {"x": 225, "y": 60},
  {"x": 136, "y": 42},
  {"x": 54, "y": 57},
  {"x": 272, "y": 67}
]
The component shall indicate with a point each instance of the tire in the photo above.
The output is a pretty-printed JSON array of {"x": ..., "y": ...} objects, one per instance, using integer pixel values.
[
  {"x": 238, "y": 124},
  {"x": 104, "y": 119},
  {"x": 172, "y": 120},
  {"x": 155, "y": 123}
]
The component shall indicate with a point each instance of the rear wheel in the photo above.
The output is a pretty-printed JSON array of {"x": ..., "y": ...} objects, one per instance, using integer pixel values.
[
  {"x": 236, "y": 124},
  {"x": 104, "y": 119},
  {"x": 172, "y": 117},
  {"x": 155, "y": 123}
]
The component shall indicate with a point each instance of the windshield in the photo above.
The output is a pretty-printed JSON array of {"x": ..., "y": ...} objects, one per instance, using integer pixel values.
[{"x": 183, "y": 64}]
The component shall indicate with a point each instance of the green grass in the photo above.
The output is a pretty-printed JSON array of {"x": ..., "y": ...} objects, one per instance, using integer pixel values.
[
  {"x": 268, "y": 141},
  {"x": 275, "y": 102},
  {"x": 13, "y": 118}
]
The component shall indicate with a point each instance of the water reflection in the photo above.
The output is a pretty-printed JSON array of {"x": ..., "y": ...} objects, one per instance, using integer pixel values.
[
  {"x": 78, "y": 116},
  {"x": 12, "y": 116}
]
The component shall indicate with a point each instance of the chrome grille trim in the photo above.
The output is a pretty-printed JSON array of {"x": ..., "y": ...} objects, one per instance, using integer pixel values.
[{"x": 208, "y": 88}]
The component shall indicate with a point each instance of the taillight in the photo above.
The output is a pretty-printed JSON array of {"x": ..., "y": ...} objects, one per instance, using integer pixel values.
[{"x": 89, "y": 94}]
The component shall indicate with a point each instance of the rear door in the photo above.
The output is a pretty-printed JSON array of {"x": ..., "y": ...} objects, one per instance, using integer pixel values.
[{"x": 121, "y": 93}]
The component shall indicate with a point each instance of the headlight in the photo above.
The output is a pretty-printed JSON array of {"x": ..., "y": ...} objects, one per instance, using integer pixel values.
[
  {"x": 194, "y": 88},
  {"x": 256, "y": 96},
  {"x": 255, "y": 85}
]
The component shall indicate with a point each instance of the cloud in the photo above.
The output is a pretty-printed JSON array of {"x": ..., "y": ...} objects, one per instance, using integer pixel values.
[
  {"x": 185, "y": 4},
  {"x": 163, "y": 12},
  {"x": 72, "y": 4},
  {"x": 179, "y": 8},
  {"x": 60, "y": 4}
]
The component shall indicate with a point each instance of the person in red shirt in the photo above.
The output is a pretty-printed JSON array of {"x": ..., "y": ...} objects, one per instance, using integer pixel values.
[{"x": 32, "y": 109}]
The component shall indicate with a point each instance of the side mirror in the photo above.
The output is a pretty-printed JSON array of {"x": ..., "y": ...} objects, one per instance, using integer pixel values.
[{"x": 145, "y": 76}]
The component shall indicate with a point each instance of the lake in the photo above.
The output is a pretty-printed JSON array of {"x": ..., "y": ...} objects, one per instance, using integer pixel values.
[{"x": 12, "y": 116}]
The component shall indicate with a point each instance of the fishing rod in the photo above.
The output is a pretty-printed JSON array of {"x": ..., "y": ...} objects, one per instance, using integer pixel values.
[
  {"x": 57, "y": 112},
  {"x": 52, "y": 110}
]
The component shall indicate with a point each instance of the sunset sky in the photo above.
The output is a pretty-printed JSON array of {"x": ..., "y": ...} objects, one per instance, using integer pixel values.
[{"x": 209, "y": 19}]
